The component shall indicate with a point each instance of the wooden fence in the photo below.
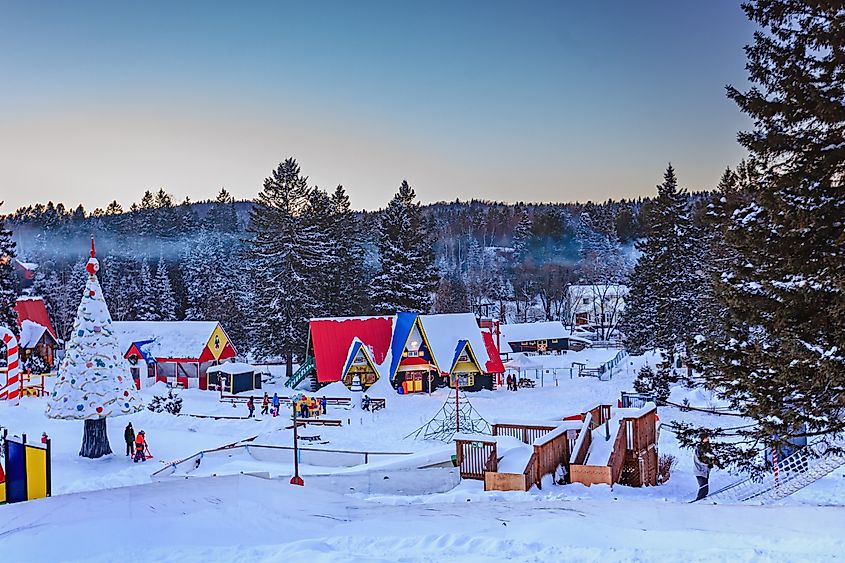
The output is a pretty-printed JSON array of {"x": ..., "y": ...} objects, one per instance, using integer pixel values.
[
  {"x": 474, "y": 457},
  {"x": 600, "y": 414},
  {"x": 375, "y": 403},
  {"x": 640, "y": 444},
  {"x": 525, "y": 433}
]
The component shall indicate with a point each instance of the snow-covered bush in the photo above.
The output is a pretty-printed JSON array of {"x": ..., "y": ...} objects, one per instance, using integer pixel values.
[
  {"x": 656, "y": 383},
  {"x": 171, "y": 403}
]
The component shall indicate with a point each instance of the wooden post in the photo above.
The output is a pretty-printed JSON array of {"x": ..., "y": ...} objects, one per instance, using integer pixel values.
[{"x": 457, "y": 410}]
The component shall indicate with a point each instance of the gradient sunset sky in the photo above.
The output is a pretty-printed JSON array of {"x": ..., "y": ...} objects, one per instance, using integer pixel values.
[{"x": 512, "y": 101}]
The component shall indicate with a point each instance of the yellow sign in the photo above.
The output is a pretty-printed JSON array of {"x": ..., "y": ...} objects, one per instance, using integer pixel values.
[{"x": 217, "y": 342}]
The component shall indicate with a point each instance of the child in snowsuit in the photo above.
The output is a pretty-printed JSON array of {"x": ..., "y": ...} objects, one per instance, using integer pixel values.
[
  {"x": 129, "y": 438},
  {"x": 140, "y": 446},
  {"x": 265, "y": 404},
  {"x": 251, "y": 406}
]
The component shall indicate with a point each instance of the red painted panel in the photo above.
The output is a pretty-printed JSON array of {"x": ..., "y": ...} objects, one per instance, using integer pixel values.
[
  {"x": 331, "y": 340},
  {"x": 494, "y": 364}
]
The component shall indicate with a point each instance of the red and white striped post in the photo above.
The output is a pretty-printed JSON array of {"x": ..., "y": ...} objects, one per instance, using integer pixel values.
[
  {"x": 12, "y": 388},
  {"x": 775, "y": 463}
]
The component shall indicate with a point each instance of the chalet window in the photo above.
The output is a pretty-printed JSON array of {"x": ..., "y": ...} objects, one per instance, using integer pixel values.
[
  {"x": 412, "y": 353},
  {"x": 554, "y": 340},
  {"x": 463, "y": 358},
  {"x": 586, "y": 301}
]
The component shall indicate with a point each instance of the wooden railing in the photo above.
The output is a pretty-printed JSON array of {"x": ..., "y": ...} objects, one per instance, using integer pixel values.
[
  {"x": 550, "y": 452},
  {"x": 526, "y": 433},
  {"x": 618, "y": 455},
  {"x": 600, "y": 415},
  {"x": 582, "y": 445},
  {"x": 532, "y": 473},
  {"x": 474, "y": 457}
]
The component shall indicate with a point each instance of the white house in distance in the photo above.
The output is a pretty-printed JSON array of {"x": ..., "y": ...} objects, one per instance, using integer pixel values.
[
  {"x": 596, "y": 306},
  {"x": 543, "y": 338}
]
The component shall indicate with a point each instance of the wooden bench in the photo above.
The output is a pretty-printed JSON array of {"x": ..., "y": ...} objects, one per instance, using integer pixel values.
[
  {"x": 318, "y": 421},
  {"x": 530, "y": 383},
  {"x": 310, "y": 438}
]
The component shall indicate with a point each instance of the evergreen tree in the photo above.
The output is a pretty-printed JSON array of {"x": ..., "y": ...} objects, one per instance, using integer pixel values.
[
  {"x": 146, "y": 308},
  {"x": 521, "y": 235},
  {"x": 283, "y": 250},
  {"x": 165, "y": 302},
  {"x": 345, "y": 286},
  {"x": 650, "y": 382},
  {"x": 781, "y": 360},
  {"x": 8, "y": 280},
  {"x": 660, "y": 309},
  {"x": 406, "y": 277},
  {"x": 452, "y": 295}
]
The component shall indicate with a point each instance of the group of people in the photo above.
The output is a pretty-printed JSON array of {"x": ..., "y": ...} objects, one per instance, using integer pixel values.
[
  {"x": 513, "y": 382},
  {"x": 310, "y": 406},
  {"x": 136, "y": 445}
]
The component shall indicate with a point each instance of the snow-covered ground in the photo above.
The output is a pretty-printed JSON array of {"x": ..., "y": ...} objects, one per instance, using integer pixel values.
[{"x": 114, "y": 502}]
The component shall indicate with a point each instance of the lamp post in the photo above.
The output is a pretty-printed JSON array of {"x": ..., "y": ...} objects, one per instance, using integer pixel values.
[{"x": 296, "y": 479}]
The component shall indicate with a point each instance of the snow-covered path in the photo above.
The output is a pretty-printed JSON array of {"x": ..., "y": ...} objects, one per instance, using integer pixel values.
[{"x": 241, "y": 518}]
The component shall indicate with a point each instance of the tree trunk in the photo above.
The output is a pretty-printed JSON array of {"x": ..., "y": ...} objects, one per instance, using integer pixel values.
[
  {"x": 95, "y": 441},
  {"x": 288, "y": 364}
]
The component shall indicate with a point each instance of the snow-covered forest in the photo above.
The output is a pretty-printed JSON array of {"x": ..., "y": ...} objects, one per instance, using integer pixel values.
[{"x": 165, "y": 260}]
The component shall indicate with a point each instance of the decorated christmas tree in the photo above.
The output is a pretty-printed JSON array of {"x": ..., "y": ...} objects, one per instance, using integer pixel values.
[{"x": 94, "y": 381}]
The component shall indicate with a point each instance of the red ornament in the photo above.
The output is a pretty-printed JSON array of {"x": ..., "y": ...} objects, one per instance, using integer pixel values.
[
  {"x": 126, "y": 393},
  {"x": 91, "y": 293},
  {"x": 99, "y": 410}
]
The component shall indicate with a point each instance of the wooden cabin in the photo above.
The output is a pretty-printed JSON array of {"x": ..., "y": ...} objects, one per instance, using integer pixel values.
[
  {"x": 37, "y": 335},
  {"x": 541, "y": 338},
  {"x": 177, "y": 353},
  {"x": 415, "y": 353}
]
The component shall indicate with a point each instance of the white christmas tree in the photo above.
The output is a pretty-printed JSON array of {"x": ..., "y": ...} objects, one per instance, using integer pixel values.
[{"x": 94, "y": 380}]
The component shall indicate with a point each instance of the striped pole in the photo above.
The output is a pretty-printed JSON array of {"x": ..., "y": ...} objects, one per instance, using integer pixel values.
[
  {"x": 12, "y": 389},
  {"x": 775, "y": 463}
]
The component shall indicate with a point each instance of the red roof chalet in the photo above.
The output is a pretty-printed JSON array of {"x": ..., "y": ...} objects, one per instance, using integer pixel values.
[
  {"x": 33, "y": 309},
  {"x": 331, "y": 341}
]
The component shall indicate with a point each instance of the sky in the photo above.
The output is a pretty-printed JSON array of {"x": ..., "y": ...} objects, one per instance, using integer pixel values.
[{"x": 506, "y": 101}]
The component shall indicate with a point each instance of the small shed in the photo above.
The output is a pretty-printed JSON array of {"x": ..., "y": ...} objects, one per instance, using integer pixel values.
[
  {"x": 543, "y": 338},
  {"x": 234, "y": 377}
]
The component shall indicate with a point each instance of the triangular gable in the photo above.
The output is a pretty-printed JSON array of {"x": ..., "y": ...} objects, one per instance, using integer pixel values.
[
  {"x": 459, "y": 349},
  {"x": 357, "y": 346},
  {"x": 405, "y": 324},
  {"x": 140, "y": 349}
]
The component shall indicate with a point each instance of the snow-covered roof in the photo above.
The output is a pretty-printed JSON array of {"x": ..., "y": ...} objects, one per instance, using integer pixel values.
[
  {"x": 523, "y": 332},
  {"x": 233, "y": 368},
  {"x": 521, "y": 361},
  {"x": 29, "y": 308},
  {"x": 169, "y": 339},
  {"x": 31, "y": 333},
  {"x": 443, "y": 333}
]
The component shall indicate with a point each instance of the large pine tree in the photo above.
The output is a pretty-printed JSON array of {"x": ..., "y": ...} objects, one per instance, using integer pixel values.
[
  {"x": 660, "y": 309},
  {"x": 406, "y": 279},
  {"x": 284, "y": 251},
  {"x": 782, "y": 359}
]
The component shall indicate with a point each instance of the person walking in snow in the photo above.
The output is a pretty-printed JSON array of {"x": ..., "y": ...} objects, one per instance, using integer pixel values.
[
  {"x": 276, "y": 402},
  {"x": 129, "y": 438},
  {"x": 250, "y": 404},
  {"x": 44, "y": 438},
  {"x": 323, "y": 405},
  {"x": 703, "y": 461},
  {"x": 265, "y": 403},
  {"x": 140, "y": 447}
]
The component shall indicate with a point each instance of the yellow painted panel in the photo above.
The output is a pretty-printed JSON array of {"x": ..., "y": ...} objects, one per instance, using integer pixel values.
[
  {"x": 36, "y": 473},
  {"x": 217, "y": 342},
  {"x": 2, "y": 493},
  {"x": 465, "y": 367}
]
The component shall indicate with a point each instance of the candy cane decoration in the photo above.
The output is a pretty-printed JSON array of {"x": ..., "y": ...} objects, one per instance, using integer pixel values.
[
  {"x": 12, "y": 389},
  {"x": 775, "y": 463}
]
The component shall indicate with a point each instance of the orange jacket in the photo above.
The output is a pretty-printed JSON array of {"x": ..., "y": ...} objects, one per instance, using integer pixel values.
[{"x": 139, "y": 442}]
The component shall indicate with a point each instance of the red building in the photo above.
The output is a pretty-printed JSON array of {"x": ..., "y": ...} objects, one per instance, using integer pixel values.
[
  {"x": 37, "y": 335},
  {"x": 178, "y": 353}
]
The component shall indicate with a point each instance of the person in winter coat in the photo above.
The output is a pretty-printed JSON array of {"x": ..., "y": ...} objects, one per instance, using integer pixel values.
[
  {"x": 703, "y": 461},
  {"x": 129, "y": 438},
  {"x": 44, "y": 438},
  {"x": 276, "y": 402},
  {"x": 323, "y": 405},
  {"x": 250, "y": 404},
  {"x": 140, "y": 447},
  {"x": 265, "y": 404}
]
